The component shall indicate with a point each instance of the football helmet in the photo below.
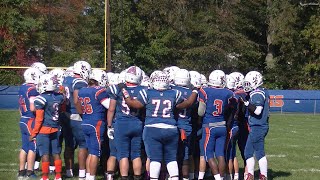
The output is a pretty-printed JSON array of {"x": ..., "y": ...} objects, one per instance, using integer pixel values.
[
  {"x": 195, "y": 79},
  {"x": 133, "y": 75},
  {"x": 42, "y": 68},
  {"x": 217, "y": 78},
  {"x": 154, "y": 73},
  {"x": 171, "y": 71},
  {"x": 47, "y": 82},
  {"x": 231, "y": 82},
  {"x": 69, "y": 72},
  {"x": 110, "y": 74},
  {"x": 100, "y": 76},
  {"x": 238, "y": 77},
  {"x": 122, "y": 77},
  {"x": 82, "y": 68},
  {"x": 182, "y": 77},
  {"x": 252, "y": 80},
  {"x": 160, "y": 81},
  {"x": 32, "y": 75},
  {"x": 59, "y": 74},
  {"x": 204, "y": 82},
  {"x": 145, "y": 81},
  {"x": 114, "y": 79}
]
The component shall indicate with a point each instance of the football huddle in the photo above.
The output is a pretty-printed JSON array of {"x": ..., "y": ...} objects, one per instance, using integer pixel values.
[{"x": 174, "y": 124}]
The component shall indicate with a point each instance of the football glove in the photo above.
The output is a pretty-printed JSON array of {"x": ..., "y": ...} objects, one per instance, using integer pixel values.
[
  {"x": 110, "y": 133},
  {"x": 125, "y": 93},
  {"x": 245, "y": 102},
  {"x": 122, "y": 85}
]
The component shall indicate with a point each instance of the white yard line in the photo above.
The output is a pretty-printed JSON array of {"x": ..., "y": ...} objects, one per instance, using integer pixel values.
[
  {"x": 306, "y": 170},
  {"x": 276, "y": 155}
]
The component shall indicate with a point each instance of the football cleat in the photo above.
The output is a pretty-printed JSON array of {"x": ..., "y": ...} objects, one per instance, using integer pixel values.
[
  {"x": 250, "y": 177},
  {"x": 262, "y": 177}
]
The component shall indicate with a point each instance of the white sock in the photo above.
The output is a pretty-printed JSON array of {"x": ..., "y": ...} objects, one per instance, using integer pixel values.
[
  {"x": 82, "y": 173},
  {"x": 185, "y": 178},
  {"x": 92, "y": 177},
  {"x": 69, "y": 173},
  {"x": 236, "y": 176},
  {"x": 229, "y": 177},
  {"x": 201, "y": 175},
  {"x": 36, "y": 165},
  {"x": 263, "y": 165},
  {"x": 52, "y": 168},
  {"x": 173, "y": 170},
  {"x": 109, "y": 176},
  {"x": 250, "y": 165},
  {"x": 191, "y": 176},
  {"x": 217, "y": 177},
  {"x": 87, "y": 175},
  {"x": 155, "y": 169}
]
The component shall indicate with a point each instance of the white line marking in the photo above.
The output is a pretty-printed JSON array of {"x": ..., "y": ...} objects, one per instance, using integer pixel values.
[
  {"x": 277, "y": 155},
  {"x": 8, "y": 170},
  {"x": 8, "y": 164},
  {"x": 306, "y": 170}
]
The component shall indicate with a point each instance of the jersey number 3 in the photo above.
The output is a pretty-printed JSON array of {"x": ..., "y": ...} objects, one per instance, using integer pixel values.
[{"x": 218, "y": 104}]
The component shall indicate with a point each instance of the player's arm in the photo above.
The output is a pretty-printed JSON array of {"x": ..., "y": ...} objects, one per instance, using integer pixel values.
[
  {"x": 111, "y": 111},
  {"x": 188, "y": 102},
  {"x": 39, "y": 106},
  {"x": 31, "y": 100},
  {"x": 253, "y": 108},
  {"x": 76, "y": 101},
  {"x": 133, "y": 103},
  {"x": 201, "y": 108}
]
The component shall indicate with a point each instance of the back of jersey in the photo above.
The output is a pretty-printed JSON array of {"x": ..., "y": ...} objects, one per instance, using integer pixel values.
[
  {"x": 25, "y": 92},
  {"x": 260, "y": 97},
  {"x": 90, "y": 99},
  {"x": 50, "y": 103},
  {"x": 183, "y": 116},
  {"x": 160, "y": 105},
  {"x": 123, "y": 112},
  {"x": 70, "y": 84},
  {"x": 216, "y": 100}
]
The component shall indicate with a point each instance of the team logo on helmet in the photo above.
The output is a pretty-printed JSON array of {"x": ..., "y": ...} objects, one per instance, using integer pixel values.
[{"x": 132, "y": 70}]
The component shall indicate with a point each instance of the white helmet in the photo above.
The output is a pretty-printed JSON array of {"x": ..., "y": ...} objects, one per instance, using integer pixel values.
[
  {"x": 154, "y": 73},
  {"x": 59, "y": 74},
  {"x": 231, "y": 82},
  {"x": 47, "y": 83},
  {"x": 42, "y": 68},
  {"x": 114, "y": 79},
  {"x": 217, "y": 78},
  {"x": 122, "y": 76},
  {"x": 171, "y": 71},
  {"x": 195, "y": 79},
  {"x": 160, "y": 81},
  {"x": 133, "y": 75},
  {"x": 238, "y": 77},
  {"x": 69, "y": 72},
  {"x": 32, "y": 75},
  {"x": 145, "y": 81},
  {"x": 204, "y": 82},
  {"x": 252, "y": 81},
  {"x": 100, "y": 76},
  {"x": 110, "y": 74},
  {"x": 82, "y": 68},
  {"x": 182, "y": 77}
]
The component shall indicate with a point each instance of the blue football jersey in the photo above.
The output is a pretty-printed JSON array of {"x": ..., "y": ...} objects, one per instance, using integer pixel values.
[
  {"x": 70, "y": 84},
  {"x": 91, "y": 99},
  {"x": 50, "y": 103},
  {"x": 123, "y": 111},
  {"x": 160, "y": 105},
  {"x": 25, "y": 92},
  {"x": 216, "y": 100},
  {"x": 183, "y": 116},
  {"x": 260, "y": 97}
]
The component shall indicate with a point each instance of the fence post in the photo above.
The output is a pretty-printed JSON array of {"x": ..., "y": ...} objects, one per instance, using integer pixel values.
[{"x": 315, "y": 107}]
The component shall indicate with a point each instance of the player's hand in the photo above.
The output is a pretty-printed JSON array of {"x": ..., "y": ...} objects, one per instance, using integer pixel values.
[
  {"x": 245, "y": 102},
  {"x": 110, "y": 133},
  {"x": 122, "y": 85},
  {"x": 195, "y": 89},
  {"x": 32, "y": 138},
  {"x": 125, "y": 93}
]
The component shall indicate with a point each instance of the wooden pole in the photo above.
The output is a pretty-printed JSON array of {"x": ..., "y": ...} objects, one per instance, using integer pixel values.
[{"x": 109, "y": 68}]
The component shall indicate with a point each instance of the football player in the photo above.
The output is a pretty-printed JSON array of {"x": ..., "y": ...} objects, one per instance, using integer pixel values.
[
  {"x": 27, "y": 95},
  {"x": 40, "y": 66},
  {"x": 214, "y": 102},
  {"x": 128, "y": 124},
  {"x": 46, "y": 128},
  {"x": 184, "y": 124},
  {"x": 258, "y": 107},
  {"x": 160, "y": 132},
  {"x": 94, "y": 101},
  {"x": 73, "y": 130}
]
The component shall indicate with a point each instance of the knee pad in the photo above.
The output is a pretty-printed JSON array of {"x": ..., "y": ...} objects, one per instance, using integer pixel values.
[
  {"x": 173, "y": 169},
  {"x": 155, "y": 168}
]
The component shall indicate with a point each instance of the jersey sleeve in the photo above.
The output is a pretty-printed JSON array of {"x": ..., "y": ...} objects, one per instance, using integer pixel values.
[
  {"x": 113, "y": 92},
  {"x": 78, "y": 84},
  {"x": 179, "y": 97},
  {"x": 101, "y": 95},
  {"x": 202, "y": 95},
  {"x": 142, "y": 97},
  {"x": 32, "y": 91},
  {"x": 257, "y": 98},
  {"x": 40, "y": 102}
]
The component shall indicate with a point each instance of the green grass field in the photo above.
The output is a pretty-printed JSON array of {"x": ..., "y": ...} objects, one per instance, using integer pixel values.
[{"x": 292, "y": 146}]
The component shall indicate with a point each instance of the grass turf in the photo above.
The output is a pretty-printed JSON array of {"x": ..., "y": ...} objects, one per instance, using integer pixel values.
[{"x": 292, "y": 146}]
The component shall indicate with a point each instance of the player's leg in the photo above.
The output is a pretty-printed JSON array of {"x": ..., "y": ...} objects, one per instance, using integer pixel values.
[
  {"x": 56, "y": 150},
  {"x": 170, "y": 143},
  {"x": 135, "y": 153},
  {"x": 31, "y": 151},
  {"x": 152, "y": 140},
  {"x": 202, "y": 160},
  {"x": 242, "y": 140},
  {"x": 231, "y": 151},
  {"x": 249, "y": 150},
  {"x": 187, "y": 157},
  {"x": 260, "y": 152},
  {"x": 111, "y": 162},
  {"x": 83, "y": 152},
  {"x": 146, "y": 149},
  {"x": 221, "y": 136},
  {"x": 69, "y": 148},
  {"x": 43, "y": 144},
  {"x": 236, "y": 168},
  {"x": 24, "y": 150}
]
